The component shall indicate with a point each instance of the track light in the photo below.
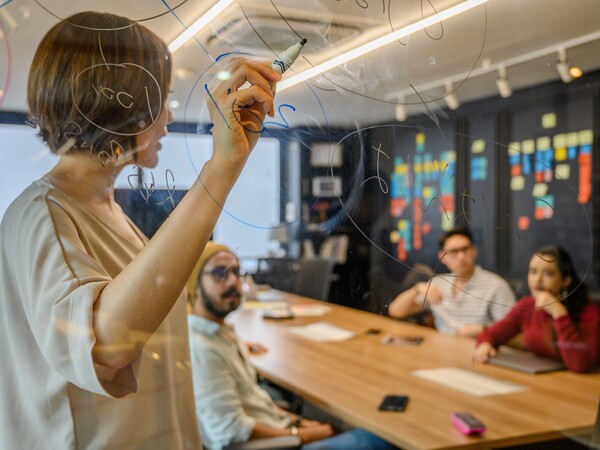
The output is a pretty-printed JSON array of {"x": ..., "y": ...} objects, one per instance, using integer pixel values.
[
  {"x": 502, "y": 82},
  {"x": 450, "y": 98},
  {"x": 575, "y": 72},
  {"x": 562, "y": 66}
]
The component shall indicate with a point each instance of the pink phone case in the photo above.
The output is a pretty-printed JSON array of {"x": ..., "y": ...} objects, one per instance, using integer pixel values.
[{"x": 467, "y": 423}]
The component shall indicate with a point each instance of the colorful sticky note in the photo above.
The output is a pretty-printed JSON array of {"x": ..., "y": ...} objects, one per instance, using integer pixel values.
[
  {"x": 544, "y": 207},
  {"x": 394, "y": 237},
  {"x": 560, "y": 153},
  {"x": 426, "y": 228},
  {"x": 543, "y": 143},
  {"x": 448, "y": 156},
  {"x": 586, "y": 137},
  {"x": 523, "y": 223},
  {"x": 402, "y": 225},
  {"x": 517, "y": 183},
  {"x": 539, "y": 189},
  {"x": 528, "y": 146},
  {"x": 514, "y": 148},
  {"x": 563, "y": 171},
  {"x": 560, "y": 140},
  {"x": 549, "y": 120},
  {"x": 478, "y": 146},
  {"x": 420, "y": 138},
  {"x": 447, "y": 221},
  {"x": 572, "y": 139}
]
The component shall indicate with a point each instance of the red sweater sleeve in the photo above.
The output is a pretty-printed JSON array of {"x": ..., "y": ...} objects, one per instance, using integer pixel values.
[
  {"x": 579, "y": 345},
  {"x": 507, "y": 328}
]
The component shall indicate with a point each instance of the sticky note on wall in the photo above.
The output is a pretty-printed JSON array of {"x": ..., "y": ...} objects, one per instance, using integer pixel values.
[
  {"x": 517, "y": 183},
  {"x": 549, "y": 120},
  {"x": 528, "y": 146},
  {"x": 563, "y": 171},
  {"x": 514, "y": 148},
  {"x": 539, "y": 190},
  {"x": 478, "y": 146}
]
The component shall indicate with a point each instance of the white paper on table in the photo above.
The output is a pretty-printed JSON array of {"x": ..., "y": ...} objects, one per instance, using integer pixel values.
[
  {"x": 269, "y": 296},
  {"x": 322, "y": 332},
  {"x": 468, "y": 381},
  {"x": 307, "y": 310},
  {"x": 263, "y": 305}
]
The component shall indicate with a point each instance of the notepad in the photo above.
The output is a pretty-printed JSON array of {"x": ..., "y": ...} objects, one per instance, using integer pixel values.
[
  {"x": 263, "y": 305},
  {"x": 468, "y": 381},
  {"x": 269, "y": 296},
  {"x": 322, "y": 332},
  {"x": 309, "y": 309}
]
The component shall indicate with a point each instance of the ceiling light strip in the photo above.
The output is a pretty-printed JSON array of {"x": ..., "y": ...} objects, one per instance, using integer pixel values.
[
  {"x": 379, "y": 42},
  {"x": 202, "y": 21}
]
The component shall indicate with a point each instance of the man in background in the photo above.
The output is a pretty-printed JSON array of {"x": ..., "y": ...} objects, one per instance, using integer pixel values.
[
  {"x": 230, "y": 405},
  {"x": 466, "y": 300}
]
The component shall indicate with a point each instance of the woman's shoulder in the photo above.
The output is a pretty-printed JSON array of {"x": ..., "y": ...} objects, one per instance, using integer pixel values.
[
  {"x": 591, "y": 311},
  {"x": 526, "y": 301}
]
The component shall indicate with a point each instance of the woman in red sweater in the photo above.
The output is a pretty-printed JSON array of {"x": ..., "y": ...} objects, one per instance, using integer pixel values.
[{"x": 557, "y": 320}]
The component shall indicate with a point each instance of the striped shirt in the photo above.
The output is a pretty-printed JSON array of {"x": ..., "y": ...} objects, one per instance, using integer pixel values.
[{"x": 485, "y": 299}]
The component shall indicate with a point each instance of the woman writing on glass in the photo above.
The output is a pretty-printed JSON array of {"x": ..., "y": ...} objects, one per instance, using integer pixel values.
[
  {"x": 93, "y": 342},
  {"x": 557, "y": 320}
]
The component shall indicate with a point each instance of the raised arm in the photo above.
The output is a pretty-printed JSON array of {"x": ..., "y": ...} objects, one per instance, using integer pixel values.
[
  {"x": 406, "y": 303},
  {"x": 133, "y": 305}
]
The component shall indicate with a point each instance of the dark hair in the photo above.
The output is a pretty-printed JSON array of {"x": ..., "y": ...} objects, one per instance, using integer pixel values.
[
  {"x": 577, "y": 291},
  {"x": 100, "y": 79},
  {"x": 461, "y": 231}
]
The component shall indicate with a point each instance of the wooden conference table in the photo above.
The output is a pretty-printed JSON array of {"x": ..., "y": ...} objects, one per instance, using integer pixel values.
[{"x": 348, "y": 379}]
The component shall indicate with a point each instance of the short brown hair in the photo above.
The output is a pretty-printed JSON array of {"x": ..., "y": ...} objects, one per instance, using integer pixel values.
[{"x": 100, "y": 79}]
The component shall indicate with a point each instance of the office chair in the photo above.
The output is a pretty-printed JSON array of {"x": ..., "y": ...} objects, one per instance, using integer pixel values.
[
  {"x": 314, "y": 278},
  {"x": 422, "y": 273},
  {"x": 274, "y": 443},
  {"x": 279, "y": 273}
]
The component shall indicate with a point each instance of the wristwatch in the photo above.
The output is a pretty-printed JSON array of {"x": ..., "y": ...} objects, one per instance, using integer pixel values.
[{"x": 293, "y": 430}]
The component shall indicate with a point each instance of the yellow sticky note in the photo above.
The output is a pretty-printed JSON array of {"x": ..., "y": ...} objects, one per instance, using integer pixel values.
[
  {"x": 420, "y": 138},
  {"x": 544, "y": 143},
  {"x": 514, "y": 148},
  {"x": 539, "y": 190},
  {"x": 447, "y": 221},
  {"x": 560, "y": 140},
  {"x": 517, "y": 183},
  {"x": 427, "y": 192},
  {"x": 394, "y": 237},
  {"x": 549, "y": 120},
  {"x": 418, "y": 168},
  {"x": 560, "y": 154},
  {"x": 528, "y": 146},
  {"x": 586, "y": 137},
  {"x": 572, "y": 139},
  {"x": 402, "y": 225},
  {"x": 478, "y": 146},
  {"x": 563, "y": 171}
]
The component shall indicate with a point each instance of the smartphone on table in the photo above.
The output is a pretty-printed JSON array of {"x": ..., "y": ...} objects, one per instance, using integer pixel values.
[{"x": 394, "y": 403}]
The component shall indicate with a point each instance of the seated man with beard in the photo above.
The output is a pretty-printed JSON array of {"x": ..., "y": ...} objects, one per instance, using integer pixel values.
[{"x": 230, "y": 405}]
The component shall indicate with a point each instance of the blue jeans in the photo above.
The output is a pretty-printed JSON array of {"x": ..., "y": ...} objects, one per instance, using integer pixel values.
[{"x": 357, "y": 439}]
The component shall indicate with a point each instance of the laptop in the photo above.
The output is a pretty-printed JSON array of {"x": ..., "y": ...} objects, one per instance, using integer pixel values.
[{"x": 526, "y": 362}]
